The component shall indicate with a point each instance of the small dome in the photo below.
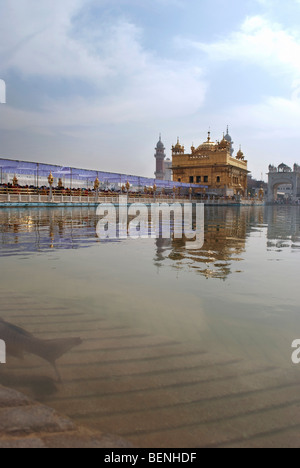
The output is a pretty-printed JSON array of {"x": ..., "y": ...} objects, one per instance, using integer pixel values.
[
  {"x": 227, "y": 136},
  {"x": 240, "y": 154},
  {"x": 284, "y": 168},
  {"x": 178, "y": 145},
  {"x": 224, "y": 143},
  {"x": 160, "y": 144},
  {"x": 178, "y": 148}
]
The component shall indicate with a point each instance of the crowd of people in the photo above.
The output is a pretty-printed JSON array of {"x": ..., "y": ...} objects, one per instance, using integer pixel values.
[{"x": 145, "y": 192}]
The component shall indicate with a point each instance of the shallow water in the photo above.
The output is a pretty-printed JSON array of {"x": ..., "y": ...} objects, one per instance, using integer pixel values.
[{"x": 146, "y": 311}]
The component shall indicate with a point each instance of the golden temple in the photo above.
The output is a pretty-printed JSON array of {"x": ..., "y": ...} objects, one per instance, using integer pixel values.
[{"x": 213, "y": 165}]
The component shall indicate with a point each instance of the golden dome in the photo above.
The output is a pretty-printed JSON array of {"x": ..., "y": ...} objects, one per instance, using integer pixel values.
[{"x": 207, "y": 145}]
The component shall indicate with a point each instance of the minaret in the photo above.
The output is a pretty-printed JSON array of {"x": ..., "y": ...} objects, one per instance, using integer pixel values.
[
  {"x": 229, "y": 139},
  {"x": 160, "y": 158}
]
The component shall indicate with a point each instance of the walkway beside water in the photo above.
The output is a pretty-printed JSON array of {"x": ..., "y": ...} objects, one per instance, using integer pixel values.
[{"x": 23, "y": 201}]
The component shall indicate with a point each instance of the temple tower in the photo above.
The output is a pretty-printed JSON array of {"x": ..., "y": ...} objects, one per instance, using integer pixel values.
[
  {"x": 160, "y": 159},
  {"x": 229, "y": 139}
]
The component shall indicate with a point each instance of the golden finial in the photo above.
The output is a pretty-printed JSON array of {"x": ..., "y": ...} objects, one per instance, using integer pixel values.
[
  {"x": 50, "y": 179},
  {"x": 15, "y": 180},
  {"x": 96, "y": 183}
]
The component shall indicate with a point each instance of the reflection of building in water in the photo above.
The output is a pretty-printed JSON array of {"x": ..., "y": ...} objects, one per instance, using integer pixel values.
[
  {"x": 283, "y": 227},
  {"x": 163, "y": 247},
  {"x": 226, "y": 230},
  {"x": 54, "y": 228}
]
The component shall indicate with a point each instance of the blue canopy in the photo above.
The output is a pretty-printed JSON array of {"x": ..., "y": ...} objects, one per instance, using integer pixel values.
[{"x": 8, "y": 166}]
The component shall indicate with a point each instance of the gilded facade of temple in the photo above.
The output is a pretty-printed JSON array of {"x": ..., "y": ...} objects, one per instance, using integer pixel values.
[{"x": 213, "y": 165}]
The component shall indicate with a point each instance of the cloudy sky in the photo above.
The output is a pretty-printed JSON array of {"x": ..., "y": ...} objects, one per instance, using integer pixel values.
[{"x": 92, "y": 83}]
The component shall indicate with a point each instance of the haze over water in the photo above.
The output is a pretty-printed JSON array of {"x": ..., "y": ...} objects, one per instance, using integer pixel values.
[{"x": 236, "y": 297}]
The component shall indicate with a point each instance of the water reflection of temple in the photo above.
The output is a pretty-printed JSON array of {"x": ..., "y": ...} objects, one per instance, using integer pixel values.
[{"x": 226, "y": 231}]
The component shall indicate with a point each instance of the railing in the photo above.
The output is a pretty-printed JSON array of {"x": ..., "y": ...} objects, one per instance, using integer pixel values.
[
  {"x": 16, "y": 195},
  {"x": 27, "y": 195}
]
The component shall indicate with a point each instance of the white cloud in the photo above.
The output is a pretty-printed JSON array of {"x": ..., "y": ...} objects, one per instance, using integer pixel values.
[
  {"x": 109, "y": 55},
  {"x": 130, "y": 87},
  {"x": 269, "y": 46},
  {"x": 131, "y": 94},
  {"x": 42, "y": 43},
  {"x": 158, "y": 92},
  {"x": 258, "y": 41},
  {"x": 275, "y": 119},
  {"x": 130, "y": 84}
]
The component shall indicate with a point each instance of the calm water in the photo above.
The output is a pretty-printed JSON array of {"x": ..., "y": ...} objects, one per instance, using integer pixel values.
[{"x": 152, "y": 316}]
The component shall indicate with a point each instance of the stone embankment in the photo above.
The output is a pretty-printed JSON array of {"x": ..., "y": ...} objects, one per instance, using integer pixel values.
[{"x": 27, "y": 424}]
